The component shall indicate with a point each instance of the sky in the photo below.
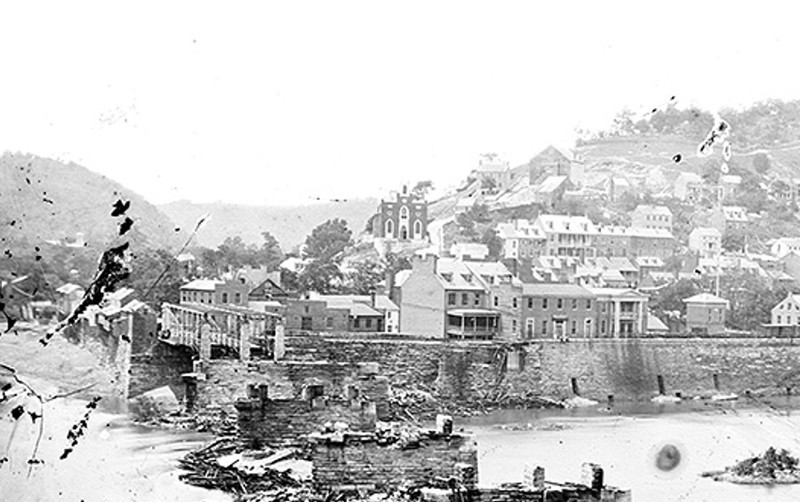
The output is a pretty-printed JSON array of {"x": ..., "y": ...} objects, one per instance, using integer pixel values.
[{"x": 285, "y": 103}]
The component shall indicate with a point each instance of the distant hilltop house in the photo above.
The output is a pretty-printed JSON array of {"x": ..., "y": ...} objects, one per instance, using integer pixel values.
[
  {"x": 554, "y": 162},
  {"x": 648, "y": 216},
  {"x": 706, "y": 242},
  {"x": 785, "y": 245},
  {"x": 494, "y": 174},
  {"x": 729, "y": 219},
  {"x": 691, "y": 187}
]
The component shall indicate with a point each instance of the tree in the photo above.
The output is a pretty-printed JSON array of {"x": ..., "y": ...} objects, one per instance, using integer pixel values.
[
  {"x": 364, "y": 279},
  {"x": 422, "y": 188},
  {"x": 761, "y": 163},
  {"x": 494, "y": 243},
  {"x": 146, "y": 278},
  {"x": 322, "y": 276},
  {"x": 734, "y": 241},
  {"x": 270, "y": 253},
  {"x": 327, "y": 240},
  {"x": 670, "y": 298}
]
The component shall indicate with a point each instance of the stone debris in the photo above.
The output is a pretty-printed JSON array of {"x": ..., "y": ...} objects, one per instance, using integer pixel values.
[
  {"x": 579, "y": 402},
  {"x": 770, "y": 468}
]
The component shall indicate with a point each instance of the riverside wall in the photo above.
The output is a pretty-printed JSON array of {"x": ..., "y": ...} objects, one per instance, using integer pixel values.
[{"x": 628, "y": 369}]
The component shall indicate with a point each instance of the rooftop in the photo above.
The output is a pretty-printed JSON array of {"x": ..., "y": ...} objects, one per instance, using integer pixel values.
[
  {"x": 706, "y": 298},
  {"x": 556, "y": 289}
]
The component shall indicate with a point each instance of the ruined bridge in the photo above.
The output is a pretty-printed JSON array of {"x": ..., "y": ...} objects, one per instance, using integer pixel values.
[{"x": 203, "y": 327}]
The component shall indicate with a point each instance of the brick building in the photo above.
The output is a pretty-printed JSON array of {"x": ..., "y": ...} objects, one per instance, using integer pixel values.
[
  {"x": 215, "y": 292},
  {"x": 567, "y": 236},
  {"x": 521, "y": 240},
  {"x": 705, "y": 314},
  {"x": 557, "y": 310},
  {"x": 649, "y": 216},
  {"x": 405, "y": 218}
]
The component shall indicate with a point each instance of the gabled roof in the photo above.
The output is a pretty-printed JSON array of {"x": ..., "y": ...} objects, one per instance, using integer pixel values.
[
  {"x": 565, "y": 224},
  {"x": 551, "y": 184},
  {"x": 618, "y": 292},
  {"x": 649, "y": 261},
  {"x": 68, "y": 288},
  {"x": 706, "y": 298},
  {"x": 653, "y": 209},
  {"x": 706, "y": 231},
  {"x": 202, "y": 285},
  {"x": 401, "y": 277},
  {"x": 556, "y": 289},
  {"x": 454, "y": 274}
]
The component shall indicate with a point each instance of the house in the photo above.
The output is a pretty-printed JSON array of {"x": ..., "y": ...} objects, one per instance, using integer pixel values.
[
  {"x": 443, "y": 298},
  {"x": 621, "y": 312},
  {"x": 557, "y": 311},
  {"x": 187, "y": 263},
  {"x": 617, "y": 187},
  {"x": 315, "y": 315},
  {"x": 215, "y": 292},
  {"x": 68, "y": 297},
  {"x": 550, "y": 191},
  {"x": 521, "y": 240},
  {"x": 785, "y": 316},
  {"x": 729, "y": 183},
  {"x": 691, "y": 187},
  {"x": 567, "y": 236},
  {"x": 705, "y": 314},
  {"x": 404, "y": 218},
  {"x": 785, "y": 245},
  {"x": 494, "y": 174},
  {"x": 790, "y": 264},
  {"x": 549, "y": 162},
  {"x": 649, "y": 216},
  {"x": 469, "y": 251},
  {"x": 706, "y": 242},
  {"x": 618, "y": 241},
  {"x": 729, "y": 219},
  {"x": 505, "y": 293},
  {"x": 648, "y": 264}
]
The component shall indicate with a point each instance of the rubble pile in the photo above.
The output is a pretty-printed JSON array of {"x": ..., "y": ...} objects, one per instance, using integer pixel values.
[
  {"x": 215, "y": 467},
  {"x": 772, "y": 467}
]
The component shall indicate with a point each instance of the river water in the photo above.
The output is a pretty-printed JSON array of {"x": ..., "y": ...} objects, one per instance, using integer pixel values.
[
  {"x": 119, "y": 461},
  {"x": 626, "y": 447}
]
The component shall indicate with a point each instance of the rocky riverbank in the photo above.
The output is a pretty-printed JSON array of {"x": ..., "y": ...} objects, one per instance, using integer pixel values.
[{"x": 773, "y": 467}]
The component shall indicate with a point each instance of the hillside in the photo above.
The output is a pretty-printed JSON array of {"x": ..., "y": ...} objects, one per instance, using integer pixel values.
[
  {"x": 48, "y": 200},
  {"x": 289, "y": 224}
]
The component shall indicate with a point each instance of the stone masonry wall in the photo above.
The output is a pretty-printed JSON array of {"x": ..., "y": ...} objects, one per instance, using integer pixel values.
[
  {"x": 226, "y": 381},
  {"x": 284, "y": 422},
  {"x": 365, "y": 463},
  {"x": 626, "y": 368}
]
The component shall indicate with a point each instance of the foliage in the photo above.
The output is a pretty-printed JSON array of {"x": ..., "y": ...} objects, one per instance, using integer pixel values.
[
  {"x": 364, "y": 279},
  {"x": 147, "y": 266},
  {"x": 422, "y": 188},
  {"x": 322, "y": 276},
  {"x": 328, "y": 240},
  {"x": 494, "y": 243},
  {"x": 234, "y": 253},
  {"x": 752, "y": 298},
  {"x": 734, "y": 241},
  {"x": 670, "y": 298},
  {"x": 761, "y": 163}
]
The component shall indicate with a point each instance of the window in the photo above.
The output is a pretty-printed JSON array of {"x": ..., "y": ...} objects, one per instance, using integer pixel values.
[
  {"x": 389, "y": 228},
  {"x": 368, "y": 323},
  {"x": 544, "y": 303},
  {"x": 779, "y": 319},
  {"x": 464, "y": 299},
  {"x": 514, "y": 302},
  {"x": 224, "y": 297},
  {"x": 530, "y": 303},
  {"x": 305, "y": 309},
  {"x": 544, "y": 327},
  {"x": 560, "y": 303},
  {"x": 329, "y": 322},
  {"x": 574, "y": 327},
  {"x": 477, "y": 299},
  {"x": 238, "y": 298},
  {"x": 356, "y": 322},
  {"x": 574, "y": 304},
  {"x": 587, "y": 328},
  {"x": 495, "y": 301},
  {"x": 602, "y": 327},
  {"x": 513, "y": 325},
  {"x": 588, "y": 304},
  {"x": 451, "y": 298},
  {"x": 418, "y": 228}
]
